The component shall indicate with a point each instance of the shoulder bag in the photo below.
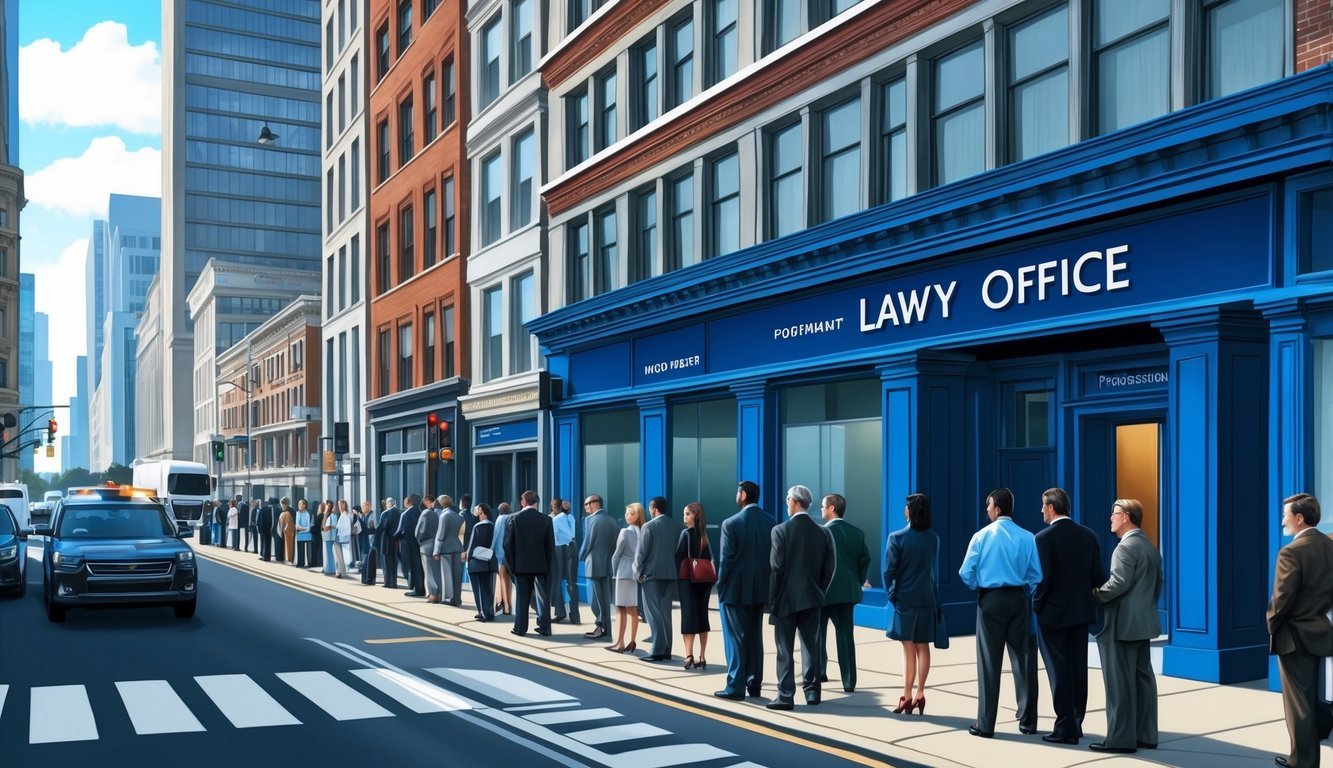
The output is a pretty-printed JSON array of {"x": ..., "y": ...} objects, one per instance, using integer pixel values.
[{"x": 698, "y": 570}]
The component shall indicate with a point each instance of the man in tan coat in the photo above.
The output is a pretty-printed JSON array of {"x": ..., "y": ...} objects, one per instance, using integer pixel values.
[{"x": 1298, "y": 626}]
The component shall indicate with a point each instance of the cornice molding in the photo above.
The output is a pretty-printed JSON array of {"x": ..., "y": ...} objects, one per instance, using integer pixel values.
[{"x": 594, "y": 37}]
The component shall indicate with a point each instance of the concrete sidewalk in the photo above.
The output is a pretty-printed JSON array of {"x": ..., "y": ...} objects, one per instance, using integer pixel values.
[{"x": 1201, "y": 724}]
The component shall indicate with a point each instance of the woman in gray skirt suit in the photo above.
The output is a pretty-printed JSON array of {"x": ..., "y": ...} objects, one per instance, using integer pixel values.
[
  {"x": 626, "y": 597},
  {"x": 909, "y": 580}
]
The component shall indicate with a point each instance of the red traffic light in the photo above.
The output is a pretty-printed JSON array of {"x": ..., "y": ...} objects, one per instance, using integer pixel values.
[
  {"x": 432, "y": 419},
  {"x": 444, "y": 426},
  {"x": 51, "y": 426}
]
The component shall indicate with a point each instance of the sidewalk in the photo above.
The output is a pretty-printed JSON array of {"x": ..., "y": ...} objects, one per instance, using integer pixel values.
[{"x": 1202, "y": 725}]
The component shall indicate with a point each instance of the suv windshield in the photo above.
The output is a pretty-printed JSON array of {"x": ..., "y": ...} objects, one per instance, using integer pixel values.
[
  {"x": 10, "y": 494},
  {"x": 115, "y": 521},
  {"x": 188, "y": 485}
]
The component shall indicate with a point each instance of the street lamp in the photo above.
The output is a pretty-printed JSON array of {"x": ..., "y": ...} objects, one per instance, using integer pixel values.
[{"x": 266, "y": 136}]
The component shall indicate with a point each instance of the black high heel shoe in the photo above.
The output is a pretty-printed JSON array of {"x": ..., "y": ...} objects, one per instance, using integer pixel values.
[
  {"x": 703, "y": 663},
  {"x": 904, "y": 705},
  {"x": 689, "y": 662},
  {"x": 629, "y": 648}
]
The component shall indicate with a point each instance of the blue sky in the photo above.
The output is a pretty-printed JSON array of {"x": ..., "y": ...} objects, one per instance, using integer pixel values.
[{"x": 89, "y": 106}]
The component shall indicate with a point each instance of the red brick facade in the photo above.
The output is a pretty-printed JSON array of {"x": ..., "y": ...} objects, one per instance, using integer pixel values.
[{"x": 1314, "y": 33}]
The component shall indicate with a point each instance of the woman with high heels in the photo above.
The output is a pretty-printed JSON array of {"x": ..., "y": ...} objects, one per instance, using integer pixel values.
[
  {"x": 504, "y": 599},
  {"x": 694, "y": 595},
  {"x": 909, "y": 581},
  {"x": 627, "y": 586}
]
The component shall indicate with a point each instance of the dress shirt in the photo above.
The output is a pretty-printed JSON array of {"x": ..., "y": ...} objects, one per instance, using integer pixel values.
[
  {"x": 1003, "y": 554},
  {"x": 564, "y": 529}
]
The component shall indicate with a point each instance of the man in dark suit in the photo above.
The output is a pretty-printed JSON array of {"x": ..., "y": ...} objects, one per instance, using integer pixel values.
[
  {"x": 743, "y": 572},
  {"x": 844, "y": 592},
  {"x": 1071, "y": 567},
  {"x": 529, "y": 544},
  {"x": 1130, "y": 596},
  {"x": 409, "y": 553},
  {"x": 802, "y": 562},
  {"x": 599, "y": 543},
  {"x": 264, "y": 526},
  {"x": 1298, "y": 625},
  {"x": 655, "y": 564},
  {"x": 274, "y": 511},
  {"x": 387, "y": 538}
]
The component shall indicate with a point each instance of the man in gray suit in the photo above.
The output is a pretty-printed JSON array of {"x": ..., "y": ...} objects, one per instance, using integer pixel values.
[
  {"x": 655, "y": 564},
  {"x": 448, "y": 552},
  {"x": 427, "y": 526},
  {"x": 802, "y": 562},
  {"x": 1129, "y": 623},
  {"x": 599, "y": 543},
  {"x": 1298, "y": 625}
]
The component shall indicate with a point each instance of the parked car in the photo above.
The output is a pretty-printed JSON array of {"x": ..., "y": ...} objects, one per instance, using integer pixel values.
[{"x": 13, "y": 554}]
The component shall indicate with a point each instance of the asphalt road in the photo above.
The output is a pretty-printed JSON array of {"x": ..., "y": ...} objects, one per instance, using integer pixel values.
[{"x": 266, "y": 674}]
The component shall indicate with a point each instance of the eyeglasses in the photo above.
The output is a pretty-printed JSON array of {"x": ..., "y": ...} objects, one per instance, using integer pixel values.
[{"x": 1119, "y": 512}]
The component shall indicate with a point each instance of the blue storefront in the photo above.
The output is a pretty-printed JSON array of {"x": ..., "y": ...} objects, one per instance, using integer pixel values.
[{"x": 1148, "y": 314}]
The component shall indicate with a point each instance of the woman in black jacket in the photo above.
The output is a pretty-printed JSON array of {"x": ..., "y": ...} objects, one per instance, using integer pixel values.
[{"x": 481, "y": 567}]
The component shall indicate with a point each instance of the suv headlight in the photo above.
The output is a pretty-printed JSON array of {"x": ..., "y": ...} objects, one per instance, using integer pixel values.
[
  {"x": 67, "y": 562},
  {"x": 185, "y": 557},
  {"x": 8, "y": 553}
]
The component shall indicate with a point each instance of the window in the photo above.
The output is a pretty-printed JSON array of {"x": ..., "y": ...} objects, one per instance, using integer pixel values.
[
  {"x": 356, "y": 83},
  {"x": 356, "y": 174},
  {"x": 342, "y": 188},
  {"x": 428, "y": 241},
  {"x": 432, "y": 108},
  {"x": 383, "y": 169},
  {"x": 491, "y": 181},
  {"x": 1027, "y": 417},
  {"x": 786, "y": 185},
  {"x": 1131, "y": 54},
  {"x": 447, "y": 316},
  {"x": 893, "y": 140},
  {"x": 1316, "y": 228},
  {"x": 405, "y": 129},
  {"x": 959, "y": 116},
  {"x": 329, "y": 50},
  {"x": 447, "y": 200},
  {"x": 328, "y": 196},
  {"x": 840, "y": 160},
  {"x": 342, "y": 103},
  {"x": 643, "y": 256},
  {"x": 643, "y": 74},
  {"x": 1039, "y": 85},
  {"x": 404, "y": 25},
  {"x": 580, "y": 261},
  {"x": 342, "y": 278},
  {"x": 328, "y": 120},
  {"x": 680, "y": 215},
  {"x": 492, "y": 334},
  {"x": 680, "y": 70},
  {"x": 724, "y": 207},
  {"x": 578, "y": 13},
  {"x": 606, "y": 108},
  {"x": 428, "y": 8},
  {"x": 722, "y": 53},
  {"x": 450, "y": 91},
  {"x": 428, "y": 356},
  {"x": 576, "y": 128},
  {"x": 1244, "y": 45},
  {"x": 329, "y": 270},
  {"x": 520, "y": 37},
  {"x": 404, "y": 356},
  {"x": 382, "y": 48},
  {"x": 355, "y": 269},
  {"x": 608, "y": 252},
  {"x": 385, "y": 350},
  {"x": 406, "y": 258},
  {"x": 782, "y": 23},
  {"x": 491, "y": 44},
  {"x": 524, "y": 167},
  {"x": 382, "y": 249},
  {"x": 522, "y": 308}
]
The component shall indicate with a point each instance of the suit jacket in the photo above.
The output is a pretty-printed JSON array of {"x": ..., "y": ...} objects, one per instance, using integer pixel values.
[
  {"x": 243, "y": 515},
  {"x": 1130, "y": 594},
  {"x": 849, "y": 546},
  {"x": 627, "y": 546},
  {"x": 447, "y": 540},
  {"x": 1302, "y": 592},
  {"x": 529, "y": 542},
  {"x": 910, "y": 562},
  {"x": 388, "y": 528},
  {"x": 743, "y": 569},
  {"x": 656, "y": 556},
  {"x": 802, "y": 563},
  {"x": 1071, "y": 567},
  {"x": 483, "y": 535},
  {"x": 599, "y": 543},
  {"x": 407, "y": 525},
  {"x": 428, "y": 524},
  {"x": 264, "y": 520}
]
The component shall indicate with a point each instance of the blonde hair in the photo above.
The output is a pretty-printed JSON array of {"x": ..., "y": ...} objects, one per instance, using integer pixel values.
[{"x": 634, "y": 513}]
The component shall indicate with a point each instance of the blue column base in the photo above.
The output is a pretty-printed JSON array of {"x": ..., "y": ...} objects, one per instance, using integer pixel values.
[{"x": 1211, "y": 665}]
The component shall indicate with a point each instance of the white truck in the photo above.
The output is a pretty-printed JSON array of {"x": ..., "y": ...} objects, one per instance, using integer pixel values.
[
  {"x": 183, "y": 485},
  {"x": 15, "y": 496}
]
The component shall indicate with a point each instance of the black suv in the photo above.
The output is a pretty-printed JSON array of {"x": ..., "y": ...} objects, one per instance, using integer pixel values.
[
  {"x": 13, "y": 553},
  {"x": 115, "y": 546}
]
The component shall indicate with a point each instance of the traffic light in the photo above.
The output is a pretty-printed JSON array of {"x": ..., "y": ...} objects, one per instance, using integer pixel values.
[
  {"x": 219, "y": 451},
  {"x": 340, "y": 437},
  {"x": 446, "y": 451},
  {"x": 50, "y": 431}
]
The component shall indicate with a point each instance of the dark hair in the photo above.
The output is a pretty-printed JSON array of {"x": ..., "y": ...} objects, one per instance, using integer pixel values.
[
  {"x": 1057, "y": 498},
  {"x": 530, "y": 499},
  {"x": 659, "y": 503},
  {"x": 1306, "y": 506},
  {"x": 485, "y": 510},
  {"x": 918, "y": 512},
  {"x": 465, "y": 500},
  {"x": 750, "y": 490},
  {"x": 838, "y": 503},
  {"x": 1003, "y": 499},
  {"x": 700, "y": 522}
]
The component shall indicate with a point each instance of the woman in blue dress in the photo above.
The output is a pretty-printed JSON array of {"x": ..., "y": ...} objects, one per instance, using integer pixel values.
[{"x": 909, "y": 580}]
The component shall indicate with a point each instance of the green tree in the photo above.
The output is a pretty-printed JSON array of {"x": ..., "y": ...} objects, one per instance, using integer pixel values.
[
  {"x": 37, "y": 487},
  {"x": 119, "y": 474}
]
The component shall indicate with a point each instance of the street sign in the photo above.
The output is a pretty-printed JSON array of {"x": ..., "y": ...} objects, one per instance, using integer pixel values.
[{"x": 330, "y": 463}]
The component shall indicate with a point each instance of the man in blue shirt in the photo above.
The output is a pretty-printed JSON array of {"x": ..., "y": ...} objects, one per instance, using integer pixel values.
[
  {"x": 564, "y": 574},
  {"x": 1003, "y": 567}
]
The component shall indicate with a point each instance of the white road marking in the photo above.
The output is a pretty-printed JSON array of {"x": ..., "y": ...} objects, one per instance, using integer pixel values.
[
  {"x": 243, "y": 702},
  {"x": 538, "y": 707},
  {"x": 662, "y": 757},
  {"x": 613, "y": 733},
  {"x": 501, "y": 686},
  {"x": 340, "y": 700},
  {"x": 4, "y": 689},
  {"x": 573, "y": 716},
  {"x": 154, "y": 707},
  {"x": 413, "y": 692},
  {"x": 61, "y": 713}
]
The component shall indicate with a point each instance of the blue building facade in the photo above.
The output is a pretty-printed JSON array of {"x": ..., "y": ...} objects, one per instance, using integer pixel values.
[{"x": 1146, "y": 314}]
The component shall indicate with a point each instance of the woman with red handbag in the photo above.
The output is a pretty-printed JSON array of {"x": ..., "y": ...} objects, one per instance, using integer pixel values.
[{"x": 694, "y": 564}]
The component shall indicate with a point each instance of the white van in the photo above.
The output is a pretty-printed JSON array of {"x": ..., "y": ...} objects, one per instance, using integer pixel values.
[
  {"x": 15, "y": 496},
  {"x": 185, "y": 485}
]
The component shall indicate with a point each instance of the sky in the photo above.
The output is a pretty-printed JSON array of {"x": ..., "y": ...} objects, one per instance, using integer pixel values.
[{"x": 89, "y": 125}]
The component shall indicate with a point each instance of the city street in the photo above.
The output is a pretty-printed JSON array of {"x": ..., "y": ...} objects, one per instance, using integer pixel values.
[{"x": 269, "y": 674}]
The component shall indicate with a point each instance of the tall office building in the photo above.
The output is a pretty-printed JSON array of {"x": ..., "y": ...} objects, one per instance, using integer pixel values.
[
  {"x": 11, "y": 203},
  {"x": 74, "y": 444},
  {"x": 27, "y": 325},
  {"x": 233, "y": 77}
]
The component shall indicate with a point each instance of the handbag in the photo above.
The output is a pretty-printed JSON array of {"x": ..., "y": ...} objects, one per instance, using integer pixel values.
[
  {"x": 941, "y": 630},
  {"x": 483, "y": 554},
  {"x": 698, "y": 570}
]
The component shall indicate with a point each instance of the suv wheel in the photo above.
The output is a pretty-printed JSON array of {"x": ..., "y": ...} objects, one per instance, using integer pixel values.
[
  {"x": 55, "y": 613},
  {"x": 184, "y": 610}
]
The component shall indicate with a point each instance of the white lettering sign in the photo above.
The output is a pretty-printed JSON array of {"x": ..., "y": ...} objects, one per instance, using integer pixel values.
[
  {"x": 907, "y": 307},
  {"x": 675, "y": 364},
  {"x": 806, "y": 329},
  {"x": 1031, "y": 282}
]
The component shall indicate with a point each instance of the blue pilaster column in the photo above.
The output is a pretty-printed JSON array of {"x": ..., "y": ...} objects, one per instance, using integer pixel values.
[
  {"x": 756, "y": 442},
  {"x": 1216, "y": 489},
  {"x": 654, "y": 447},
  {"x": 567, "y": 459}
]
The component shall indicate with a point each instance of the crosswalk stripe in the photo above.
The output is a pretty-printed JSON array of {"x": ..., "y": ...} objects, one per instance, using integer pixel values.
[
  {"x": 4, "y": 689},
  {"x": 663, "y": 757},
  {"x": 501, "y": 686},
  {"x": 154, "y": 707},
  {"x": 243, "y": 702},
  {"x": 61, "y": 713},
  {"x": 412, "y": 692},
  {"x": 538, "y": 707},
  {"x": 571, "y": 716},
  {"x": 332, "y": 695},
  {"x": 613, "y": 733}
]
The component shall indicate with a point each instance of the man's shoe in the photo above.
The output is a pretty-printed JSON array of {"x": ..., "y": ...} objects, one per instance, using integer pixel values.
[
  {"x": 975, "y": 731},
  {"x": 1026, "y": 731},
  {"x": 1146, "y": 745},
  {"x": 558, "y": 620},
  {"x": 544, "y": 632},
  {"x": 849, "y": 690},
  {"x": 1102, "y": 746},
  {"x": 655, "y": 657},
  {"x": 596, "y": 633},
  {"x": 1051, "y": 738},
  {"x": 812, "y": 701},
  {"x": 1280, "y": 760},
  {"x": 752, "y": 692},
  {"x": 779, "y": 704},
  {"x": 516, "y": 632},
  {"x": 729, "y": 695},
  {"x": 823, "y": 678}
]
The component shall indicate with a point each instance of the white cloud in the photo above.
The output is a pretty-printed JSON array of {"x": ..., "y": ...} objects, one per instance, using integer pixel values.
[
  {"x": 101, "y": 80},
  {"x": 81, "y": 185},
  {"x": 68, "y": 335}
]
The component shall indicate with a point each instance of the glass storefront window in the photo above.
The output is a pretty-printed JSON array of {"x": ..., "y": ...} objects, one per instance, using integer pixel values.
[
  {"x": 703, "y": 460},
  {"x": 391, "y": 442},
  {"x": 611, "y": 459},
  {"x": 1316, "y": 228},
  {"x": 832, "y": 443},
  {"x": 1028, "y": 417},
  {"x": 1323, "y": 428},
  {"x": 416, "y": 439}
]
